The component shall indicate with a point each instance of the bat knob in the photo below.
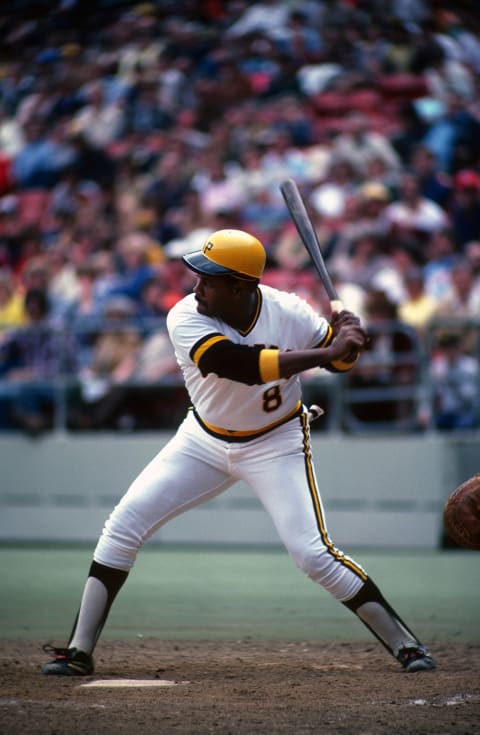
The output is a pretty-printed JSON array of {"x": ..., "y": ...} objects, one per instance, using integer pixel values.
[{"x": 314, "y": 412}]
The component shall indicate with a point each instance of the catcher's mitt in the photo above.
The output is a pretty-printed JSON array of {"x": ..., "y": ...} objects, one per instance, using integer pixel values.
[{"x": 461, "y": 514}]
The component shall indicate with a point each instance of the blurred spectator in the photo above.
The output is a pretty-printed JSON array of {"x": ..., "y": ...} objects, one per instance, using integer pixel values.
[
  {"x": 33, "y": 359},
  {"x": 413, "y": 215},
  {"x": 281, "y": 158},
  {"x": 390, "y": 363},
  {"x": 36, "y": 273},
  {"x": 144, "y": 113},
  {"x": 62, "y": 278},
  {"x": 428, "y": 52},
  {"x": 248, "y": 171},
  {"x": 359, "y": 144},
  {"x": 397, "y": 56},
  {"x": 122, "y": 386},
  {"x": 156, "y": 359},
  {"x": 462, "y": 301},
  {"x": 297, "y": 38},
  {"x": 373, "y": 197},
  {"x": 154, "y": 304},
  {"x": 299, "y": 122},
  {"x": 472, "y": 255},
  {"x": 454, "y": 136},
  {"x": 410, "y": 132},
  {"x": 92, "y": 163},
  {"x": 100, "y": 121},
  {"x": 227, "y": 85},
  {"x": 434, "y": 184},
  {"x": 139, "y": 257},
  {"x": 370, "y": 50},
  {"x": 177, "y": 279},
  {"x": 169, "y": 183},
  {"x": 465, "y": 206},
  {"x": 458, "y": 40},
  {"x": 288, "y": 251},
  {"x": 259, "y": 63},
  {"x": 216, "y": 191},
  {"x": 418, "y": 308},
  {"x": 368, "y": 265},
  {"x": 440, "y": 254},
  {"x": 12, "y": 310},
  {"x": 108, "y": 279},
  {"x": 10, "y": 230},
  {"x": 11, "y": 135},
  {"x": 455, "y": 380},
  {"x": 447, "y": 75},
  {"x": 39, "y": 163},
  {"x": 378, "y": 174},
  {"x": 84, "y": 314},
  {"x": 263, "y": 218},
  {"x": 114, "y": 353},
  {"x": 175, "y": 91},
  {"x": 330, "y": 197},
  {"x": 267, "y": 17},
  {"x": 141, "y": 47}
]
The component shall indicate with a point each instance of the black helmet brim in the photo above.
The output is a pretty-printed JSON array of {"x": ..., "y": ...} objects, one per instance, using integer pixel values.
[{"x": 197, "y": 262}]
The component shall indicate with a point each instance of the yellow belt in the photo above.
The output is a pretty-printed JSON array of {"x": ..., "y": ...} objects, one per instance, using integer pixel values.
[{"x": 242, "y": 436}]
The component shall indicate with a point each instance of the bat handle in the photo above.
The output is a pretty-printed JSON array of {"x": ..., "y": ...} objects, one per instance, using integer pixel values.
[{"x": 336, "y": 306}]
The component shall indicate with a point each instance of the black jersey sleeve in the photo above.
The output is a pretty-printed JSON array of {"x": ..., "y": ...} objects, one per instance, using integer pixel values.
[{"x": 217, "y": 354}]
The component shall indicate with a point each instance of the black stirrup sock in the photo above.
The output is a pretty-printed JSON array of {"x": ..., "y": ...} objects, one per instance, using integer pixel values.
[{"x": 381, "y": 619}]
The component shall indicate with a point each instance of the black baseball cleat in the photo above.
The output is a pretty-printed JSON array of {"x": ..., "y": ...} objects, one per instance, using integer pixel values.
[
  {"x": 68, "y": 662},
  {"x": 416, "y": 658}
]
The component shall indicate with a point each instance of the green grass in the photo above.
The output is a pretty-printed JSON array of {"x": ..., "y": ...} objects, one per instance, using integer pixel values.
[{"x": 216, "y": 593}]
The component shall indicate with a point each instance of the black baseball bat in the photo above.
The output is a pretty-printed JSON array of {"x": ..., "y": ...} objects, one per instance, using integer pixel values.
[{"x": 306, "y": 230}]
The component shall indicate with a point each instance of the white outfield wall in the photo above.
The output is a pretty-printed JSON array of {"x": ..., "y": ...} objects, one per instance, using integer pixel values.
[{"x": 386, "y": 491}]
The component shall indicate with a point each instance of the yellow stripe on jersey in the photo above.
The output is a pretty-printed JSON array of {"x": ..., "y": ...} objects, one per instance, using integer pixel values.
[
  {"x": 317, "y": 506},
  {"x": 328, "y": 337},
  {"x": 268, "y": 364},
  {"x": 200, "y": 351}
]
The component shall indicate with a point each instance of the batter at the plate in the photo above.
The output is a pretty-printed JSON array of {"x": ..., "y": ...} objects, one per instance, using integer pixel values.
[{"x": 241, "y": 346}]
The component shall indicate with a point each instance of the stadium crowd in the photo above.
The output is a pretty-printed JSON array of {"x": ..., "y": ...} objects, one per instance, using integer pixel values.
[{"x": 129, "y": 133}]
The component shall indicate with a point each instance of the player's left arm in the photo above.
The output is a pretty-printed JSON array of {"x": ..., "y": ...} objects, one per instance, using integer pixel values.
[{"x": 338, "y": 351}]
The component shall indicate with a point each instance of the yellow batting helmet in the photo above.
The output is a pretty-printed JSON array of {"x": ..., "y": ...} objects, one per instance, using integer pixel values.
[{"x": 229, "y": 253}]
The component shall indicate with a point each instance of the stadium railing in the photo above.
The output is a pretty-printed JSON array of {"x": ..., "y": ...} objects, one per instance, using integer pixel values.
[{"x": 391, "y": 390}]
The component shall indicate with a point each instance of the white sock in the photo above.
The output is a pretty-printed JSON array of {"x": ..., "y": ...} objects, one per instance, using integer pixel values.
[
  {"x": 90, "y": 616},
  {"x": 387, "y": 627}
]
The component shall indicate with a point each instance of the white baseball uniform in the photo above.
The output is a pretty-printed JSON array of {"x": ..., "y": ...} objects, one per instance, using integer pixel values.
[{"x": 256, "y": 432}]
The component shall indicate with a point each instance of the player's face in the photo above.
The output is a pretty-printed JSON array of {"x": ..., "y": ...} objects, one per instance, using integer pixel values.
[{"x": 215, "y": 296}]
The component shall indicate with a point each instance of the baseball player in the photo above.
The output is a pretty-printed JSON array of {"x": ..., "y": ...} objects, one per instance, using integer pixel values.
[{"x": 241, "y": 346}]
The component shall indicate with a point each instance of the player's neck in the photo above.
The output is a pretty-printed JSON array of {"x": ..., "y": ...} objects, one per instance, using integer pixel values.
[{"x": 244, "y": 312}]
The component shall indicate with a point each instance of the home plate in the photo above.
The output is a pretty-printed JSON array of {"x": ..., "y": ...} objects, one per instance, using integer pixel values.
[{"x": 115, "y": 683}]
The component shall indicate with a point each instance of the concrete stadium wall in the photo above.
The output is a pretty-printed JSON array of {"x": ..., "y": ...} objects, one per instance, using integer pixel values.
[{"x": 385, "y": 491}]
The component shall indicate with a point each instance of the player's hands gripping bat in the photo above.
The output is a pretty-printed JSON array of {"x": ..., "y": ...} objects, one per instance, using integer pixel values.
[{"x": 308, "y": 235}]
